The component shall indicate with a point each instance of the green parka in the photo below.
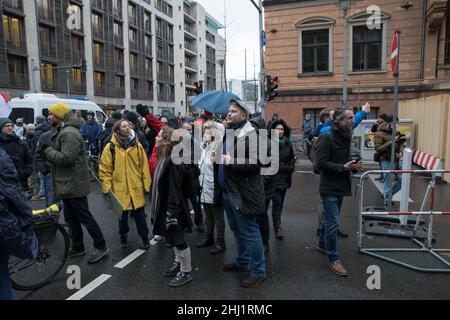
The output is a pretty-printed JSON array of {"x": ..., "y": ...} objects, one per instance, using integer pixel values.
[{"x": 67, "y": 155}]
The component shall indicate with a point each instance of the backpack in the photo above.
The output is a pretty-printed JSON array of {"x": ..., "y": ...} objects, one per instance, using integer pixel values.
[{"x": 103, "y": 139}]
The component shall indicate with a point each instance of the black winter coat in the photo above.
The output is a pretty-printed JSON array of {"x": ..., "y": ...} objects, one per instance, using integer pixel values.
[
  {"x": 244, "y": 183},
  {"x": 171, "y": 198},
  {"x": 283, "y": 179},
  {"x": 333, "y": 152},
  {"x": 42, "y": 128},
  {"x": 41, "y": 164},
  {"x": 20, "y": 155},
  {"x": 31, "y": 143},
  {"x": 16, "y": 222}
]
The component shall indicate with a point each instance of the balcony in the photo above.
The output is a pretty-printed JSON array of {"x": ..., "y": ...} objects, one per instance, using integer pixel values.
[
  {"x": 132, "y": 19},
  {"x": 16, "y": 45},
  {"x": 133, "y": 71},
  {"x": 117, "y": 12},
  {"x": 209, "y": 37},
  {"x": 190, "y": 64},
  {"x": 48, "y": 51},
  {"x": 134, "y": 93},
  {"x": 13, "y": 4},
  {"x": 99, "y": 62},
  {"x": 191, "y": 47},
  {"x": 148, "y": 26},
  {"x": 133, "y": 45},
  {"x": 49, "y": 85},
  {"x": 119, "y": 66},
  {"x": 148, "y": 50},
  {"x": 97, "y": 4},
  {"x": 118, "y": 40},
  {"x": 190, "y": 29},
  {"x": 79, "y": 87},
  {"x": 17, "y": 80},
  {"x": 120, "y": 92},
  {"x": 189, "y": 82},
  {"x": 98, "y": 32},
  {"x": 46, "y": 14},
  {"x": 190, "y": 14},
  {"x": 99, "y": 89},
  {"x": 77, "y": 55}
]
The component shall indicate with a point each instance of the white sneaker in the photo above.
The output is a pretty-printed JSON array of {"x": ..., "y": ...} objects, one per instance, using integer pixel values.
[{"x": 157, "y": 238}]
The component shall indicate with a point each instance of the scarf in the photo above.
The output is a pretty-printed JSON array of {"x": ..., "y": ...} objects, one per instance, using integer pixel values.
[
  {"x": 344, "y": 134},
  {"x": 156, "y": 177},
  {"x": 128, "y": 142}
]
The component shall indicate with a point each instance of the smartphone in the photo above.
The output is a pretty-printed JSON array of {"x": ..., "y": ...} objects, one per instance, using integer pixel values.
[{"x": 357, "y": 160}]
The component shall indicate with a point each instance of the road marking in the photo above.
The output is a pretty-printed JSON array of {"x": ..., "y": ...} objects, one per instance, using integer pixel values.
[
  {"x": 122, "y": 264},
  {"x": 310, "y": 172},
  {"x": 80, "y": 294}
]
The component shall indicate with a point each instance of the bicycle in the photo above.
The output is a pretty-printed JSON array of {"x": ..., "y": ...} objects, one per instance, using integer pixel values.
[
  {"x": 93, "y": 162},
  {"x": 54, "y": 244}
]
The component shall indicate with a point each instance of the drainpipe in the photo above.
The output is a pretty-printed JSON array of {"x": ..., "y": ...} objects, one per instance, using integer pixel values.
[{"x": 422, "y": 47}]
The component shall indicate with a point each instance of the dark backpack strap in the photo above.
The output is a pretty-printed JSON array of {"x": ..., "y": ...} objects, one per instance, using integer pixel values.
[{"x": 112, "y": 149}]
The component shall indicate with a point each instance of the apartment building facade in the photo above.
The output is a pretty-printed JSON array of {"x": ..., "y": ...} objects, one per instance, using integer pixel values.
[
  {"x": 133, "y": 51},
  {"x": 305, "y": 45}
]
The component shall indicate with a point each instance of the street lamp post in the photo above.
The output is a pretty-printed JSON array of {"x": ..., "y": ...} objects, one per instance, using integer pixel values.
[{"x": 345, "y": 5}]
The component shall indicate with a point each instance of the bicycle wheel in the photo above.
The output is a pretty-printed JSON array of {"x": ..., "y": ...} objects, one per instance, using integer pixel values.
[
  {"x": 54, "y": 245},
  {"x": 298, "y": 145},
  {"x": 93, "y": 169}
]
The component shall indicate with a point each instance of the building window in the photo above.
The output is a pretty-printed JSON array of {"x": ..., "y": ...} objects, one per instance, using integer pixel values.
[
  {"x": 120, "y": 86},
  {"x": 48, "y": 77},
  {"x": 45, "y": 8},
  {"x": 148, "y": 45},
  {"x": 77, "y": 49},
  {"x": 117, "y": 8},
  {"x": 315, "y": 51},
  {"x": 133, "y": 39},
  {"x": 18, "y": 72},
  {"x": 132, "y": 14},
  {"x": 150, "y": 90},
  {"x": 148, "y": 69},
  {"x": 76, "y": 10},
  {"x": 148, "y": 21},
  {"x": 97, "y": 51},
  {"x": 78, "y": 80},
  {"x": 366, "y": 49},
  {"x": 118, "y": 34},
  {"x": 367, "y": 46},
  {"x": 133, "y": 64},
  {"x": 134, "y": 88},
  {"x": 47, "y": 42},
  {"x": 315, "y": 46},
  {"x": 447, "y": 38},
  {"x": 99, "y": 83},
  {"x": 13, "y": 31},
  {"x": 97, "y": 25},
  {"x": 118, "y": 60}
]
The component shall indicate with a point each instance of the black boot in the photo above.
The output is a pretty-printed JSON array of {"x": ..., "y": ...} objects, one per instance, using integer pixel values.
[
  {"x": 277, "y": 227},
  {"x": 206, "y": 242}
]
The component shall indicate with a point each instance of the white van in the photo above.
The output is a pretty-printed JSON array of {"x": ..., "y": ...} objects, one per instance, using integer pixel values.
[{"x": 34, "y": 104}]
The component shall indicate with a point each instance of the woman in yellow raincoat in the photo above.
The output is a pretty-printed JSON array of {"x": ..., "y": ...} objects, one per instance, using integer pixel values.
[{"x": 124, "y": 171}]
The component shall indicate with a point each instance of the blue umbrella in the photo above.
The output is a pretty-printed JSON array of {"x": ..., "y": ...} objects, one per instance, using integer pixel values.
[{"x": 214, "y": 101}]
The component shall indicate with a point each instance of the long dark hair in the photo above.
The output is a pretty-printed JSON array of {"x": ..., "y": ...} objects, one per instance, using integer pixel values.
[{"x": 166, "y": 146}]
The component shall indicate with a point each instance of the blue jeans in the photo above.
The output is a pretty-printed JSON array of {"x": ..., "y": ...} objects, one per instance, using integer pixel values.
[
  {"x": 139, "y": 218},
  {"x": 6, "y": 292},
  {"x": 328, "y": 235},
  {"x": 46, "y": 189},
  {"x": 248, "y": 239},
  {"x": 278, "y": 202},
  {"x": 386, "y": 165}
]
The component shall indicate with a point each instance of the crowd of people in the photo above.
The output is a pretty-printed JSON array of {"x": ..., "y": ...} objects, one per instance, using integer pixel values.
[{"x": 139, "y": 166}]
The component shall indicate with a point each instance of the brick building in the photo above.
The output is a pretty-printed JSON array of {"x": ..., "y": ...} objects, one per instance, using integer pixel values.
[{"x": 305, "y": 50}]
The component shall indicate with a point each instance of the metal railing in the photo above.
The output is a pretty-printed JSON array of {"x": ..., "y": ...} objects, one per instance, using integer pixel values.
[
  {"x": 46, "y": 14},
  {"x": 190, "y": 29},
  {"x": 48, "y": 50},
  {"x": 98, "y": 62},
  {"x": 13, "y": 4},
  {"x": 19, "y": 80},
  {"x": 49, "y": 85},
  {"x": 16, "y": 44},
  {"x": 189, "y": 81},
  {"x": 98, "y": 32},
  {"x": 190, "y": 64},
  {"x": 190, "y": 12},
  {"x": 190, "y": 47},
  {"x": 118, "y": 40},
  {"x": 99, "y": 90}
]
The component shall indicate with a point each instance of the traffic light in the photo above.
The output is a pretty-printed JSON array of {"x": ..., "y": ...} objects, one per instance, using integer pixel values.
[
  {"x": 198, "y": 87},
  {"x": 272, "y": 86},
  {"x": 83, "y": 66}
]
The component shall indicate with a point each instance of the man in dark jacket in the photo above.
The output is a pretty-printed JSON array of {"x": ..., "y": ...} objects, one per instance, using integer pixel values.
[
  {"x": 42, "y": 127},
  {"x": 90, "y": 130},
  {"x": 333, "y": 162},
  {"x": 105, "y": 137},
  {"x": 17, "y": 150},
  {"x": 16, "y": 225},
  {"x": 243, "y": 193},
  {"x": 70, "y": 179}
]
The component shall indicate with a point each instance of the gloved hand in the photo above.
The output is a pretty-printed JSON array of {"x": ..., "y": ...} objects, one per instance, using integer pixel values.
[
  {"x": 171, "y": 221},
  {"x": 106, "y": 196},
  {"x": 142, "y": 110}
]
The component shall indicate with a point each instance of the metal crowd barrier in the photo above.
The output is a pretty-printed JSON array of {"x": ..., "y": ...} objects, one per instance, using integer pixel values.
[{"x": 423, "y": 258}]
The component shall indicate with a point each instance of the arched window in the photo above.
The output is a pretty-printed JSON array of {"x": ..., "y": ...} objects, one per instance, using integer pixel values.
[{"x": 315, "y": 38}]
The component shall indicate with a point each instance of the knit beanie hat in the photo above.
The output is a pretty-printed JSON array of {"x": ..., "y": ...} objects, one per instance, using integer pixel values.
[
  {"x": 60, "y": 110},
  {"x": 30, "y": 126},
  {"x": 132, "y": 117},
  {"x": 116, "y": 115},
  {"x": 4, "y": 121},
  {"x": 40, "y": 119}
]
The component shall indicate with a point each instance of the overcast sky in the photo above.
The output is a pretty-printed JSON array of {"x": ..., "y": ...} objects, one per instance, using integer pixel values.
[{"x": 242, "y": 32}]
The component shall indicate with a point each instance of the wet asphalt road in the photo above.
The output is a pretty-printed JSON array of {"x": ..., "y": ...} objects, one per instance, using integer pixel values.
[{"x": 295, "y": 269}]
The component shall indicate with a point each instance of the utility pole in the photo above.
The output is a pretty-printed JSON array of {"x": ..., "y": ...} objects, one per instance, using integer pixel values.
[
  {"x": 68, "y": 82},
  {"x": 261, "y": 53},
  {"x": 225, "y": 53},
  {"x": 245, "y": 81}
]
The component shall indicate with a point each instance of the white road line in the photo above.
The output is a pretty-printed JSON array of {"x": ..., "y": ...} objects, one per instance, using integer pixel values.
[
  {"x": 80, "y": 294},
  {"x": 310, "y": 172},
  {"x": 122, "y": 264}
]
